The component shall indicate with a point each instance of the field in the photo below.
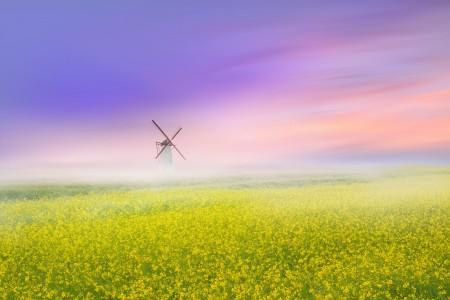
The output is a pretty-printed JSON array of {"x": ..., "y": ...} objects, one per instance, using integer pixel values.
[{"x": 287, "y": 238}]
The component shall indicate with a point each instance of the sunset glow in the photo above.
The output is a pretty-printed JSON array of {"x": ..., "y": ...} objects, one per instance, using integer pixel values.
[{"x": 250, "y": 83}]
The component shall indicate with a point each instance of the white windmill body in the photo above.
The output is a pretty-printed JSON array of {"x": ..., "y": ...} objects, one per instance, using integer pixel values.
[
  {"x": 165, "y": 158},
  {"x": 164, "y": 148}
]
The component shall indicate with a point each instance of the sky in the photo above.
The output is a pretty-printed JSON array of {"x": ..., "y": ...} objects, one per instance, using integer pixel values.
[{"x": 251, "y": 82}]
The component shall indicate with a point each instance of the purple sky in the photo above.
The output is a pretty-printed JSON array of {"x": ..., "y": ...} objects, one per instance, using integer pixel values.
[{"x": 81, "y": 81}]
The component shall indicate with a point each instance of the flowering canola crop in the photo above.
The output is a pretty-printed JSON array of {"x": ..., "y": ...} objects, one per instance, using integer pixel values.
[{"x": 388, "y": 238}]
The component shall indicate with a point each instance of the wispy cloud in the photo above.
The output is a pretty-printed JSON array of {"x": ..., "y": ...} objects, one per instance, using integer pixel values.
[{"x": 249, "y": 81}]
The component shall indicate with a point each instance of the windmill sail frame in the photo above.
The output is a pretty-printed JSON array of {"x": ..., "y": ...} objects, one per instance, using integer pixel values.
[{"x": 167, "y": 143}]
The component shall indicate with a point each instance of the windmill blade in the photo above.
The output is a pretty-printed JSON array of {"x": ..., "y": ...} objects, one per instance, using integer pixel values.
[
  {"x": 165, "y": 146},
  {"x": 162, "y": 149},
  {"x": 170, "y": 141},
  {"x": 176, "y": 133},
  {"x": 157, "y": 126},
  {"x": 179, "y": 152}
]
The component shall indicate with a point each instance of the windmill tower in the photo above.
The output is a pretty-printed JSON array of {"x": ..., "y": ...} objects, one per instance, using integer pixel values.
[{"x": 164, "y": 148}]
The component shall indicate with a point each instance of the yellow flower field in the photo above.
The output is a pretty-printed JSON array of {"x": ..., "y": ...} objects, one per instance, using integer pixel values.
[{"x": 381, "y": 238}]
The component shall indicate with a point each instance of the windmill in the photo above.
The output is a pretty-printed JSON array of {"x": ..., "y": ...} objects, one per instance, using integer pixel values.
[{"x": 164, "y": 148}]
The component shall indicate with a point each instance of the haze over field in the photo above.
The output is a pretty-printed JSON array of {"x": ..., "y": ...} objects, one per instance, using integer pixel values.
[{"x": 285, "y": 84}]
